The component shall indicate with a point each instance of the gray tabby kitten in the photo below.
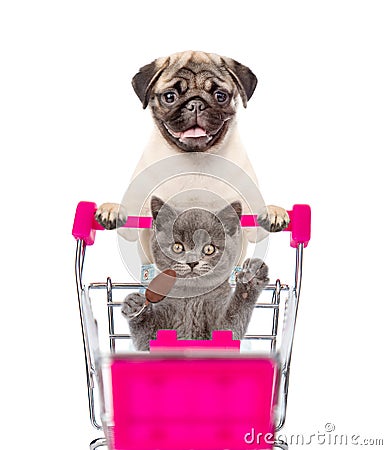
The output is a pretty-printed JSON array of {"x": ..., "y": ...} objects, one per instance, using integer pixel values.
[{"x": 202, "y": 248}]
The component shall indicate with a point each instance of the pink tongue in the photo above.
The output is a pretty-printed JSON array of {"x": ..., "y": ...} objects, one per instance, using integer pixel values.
[{"x": 193, "y": 133}]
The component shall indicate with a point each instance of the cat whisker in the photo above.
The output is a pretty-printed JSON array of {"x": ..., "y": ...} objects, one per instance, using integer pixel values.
[{"x": 181, "y": 269}]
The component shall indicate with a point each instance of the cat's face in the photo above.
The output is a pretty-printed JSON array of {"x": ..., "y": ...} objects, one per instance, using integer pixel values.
[{"x": 198, "y": 244}]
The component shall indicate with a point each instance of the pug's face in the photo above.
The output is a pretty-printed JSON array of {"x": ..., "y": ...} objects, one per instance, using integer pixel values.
[{"x": 193, "y": 97}]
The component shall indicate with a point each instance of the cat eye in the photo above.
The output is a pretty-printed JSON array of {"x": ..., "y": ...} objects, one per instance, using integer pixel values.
[
  {"x": 208, "y": 249},
  {"x": 177, "y": 247},
  {"x": 220, "y": 96},
  {"x": 169, "y": 97}
]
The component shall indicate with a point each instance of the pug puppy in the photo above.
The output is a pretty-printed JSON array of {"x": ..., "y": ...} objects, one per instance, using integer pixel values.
[{"x": 193, "y": 97}]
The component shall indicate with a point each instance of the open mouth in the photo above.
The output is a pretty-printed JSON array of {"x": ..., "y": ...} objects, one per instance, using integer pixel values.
[
  {"x": 193, "y": 133},
  {"x": 196, "y": 138}
]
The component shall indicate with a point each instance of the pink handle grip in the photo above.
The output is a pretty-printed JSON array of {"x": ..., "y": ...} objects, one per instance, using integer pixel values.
[
  {"x": 85, "y": 225},
  {"x": 300, "y": 225}
]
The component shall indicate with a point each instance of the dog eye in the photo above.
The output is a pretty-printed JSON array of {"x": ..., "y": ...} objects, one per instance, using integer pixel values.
[
  {"x": 220, "y": 96},
  {"x": 208, "y": 249},
  {"x": 177, "y": 247},
  {"x": 169, "y": 97}
]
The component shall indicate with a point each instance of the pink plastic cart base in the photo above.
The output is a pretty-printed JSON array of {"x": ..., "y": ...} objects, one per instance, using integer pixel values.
[
  {"x": 193, "y": 401},
  {"x": 177, "y": 403}
]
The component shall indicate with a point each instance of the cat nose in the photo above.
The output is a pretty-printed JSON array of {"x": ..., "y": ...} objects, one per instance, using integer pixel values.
[{"x": 193, "y": 264}]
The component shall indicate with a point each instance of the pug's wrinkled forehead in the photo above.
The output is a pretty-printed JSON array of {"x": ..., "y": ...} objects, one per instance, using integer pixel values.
[
  {"x": 196, "y": 72},
  {"x": 194, "y": 69}
]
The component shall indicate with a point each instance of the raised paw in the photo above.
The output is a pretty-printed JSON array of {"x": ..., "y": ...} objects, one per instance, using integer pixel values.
[
  {"x": 273, "y": 218},
  {"x": 254, "y": 274},
  {"x": 132, "y": 305},
  {"x": 111, "y": 215}
]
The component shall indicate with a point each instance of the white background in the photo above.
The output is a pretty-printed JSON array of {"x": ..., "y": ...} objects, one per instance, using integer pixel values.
[{"x": 72, "y": 129}]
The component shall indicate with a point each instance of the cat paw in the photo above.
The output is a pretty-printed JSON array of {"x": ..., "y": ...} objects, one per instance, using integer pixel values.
[
  {"x": 273, "y": 218},
  {"x": 133, "y": 305},
  {"x": 111, "y": 215},
  {"x": 254, "y": 274}
]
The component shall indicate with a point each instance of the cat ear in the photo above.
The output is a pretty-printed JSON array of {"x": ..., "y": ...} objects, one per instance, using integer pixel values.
[
  {"x": 158, "y": 206},
  {"x": 230, "y": 217},
  {"x": 237, "y": 206}
]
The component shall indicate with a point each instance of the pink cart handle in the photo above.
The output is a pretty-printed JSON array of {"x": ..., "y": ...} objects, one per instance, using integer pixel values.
[{"x": 85, "y": 224}]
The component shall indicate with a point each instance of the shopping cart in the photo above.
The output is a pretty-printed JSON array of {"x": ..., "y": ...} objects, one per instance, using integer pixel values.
[{"x": 183, "y": 395}]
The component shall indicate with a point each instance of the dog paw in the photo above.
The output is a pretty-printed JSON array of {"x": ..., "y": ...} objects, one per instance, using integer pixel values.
[
  {"x": 273, "y": 218},
  {"x": 111, "y": 215},
  {"x": 132, "y": 305},
  {"x": 254, "y": 274}
]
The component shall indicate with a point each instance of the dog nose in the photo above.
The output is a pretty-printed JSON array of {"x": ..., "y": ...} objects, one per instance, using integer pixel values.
[
  {"x": 195, "y": 105},
  {"x": 193, "y": 264}
]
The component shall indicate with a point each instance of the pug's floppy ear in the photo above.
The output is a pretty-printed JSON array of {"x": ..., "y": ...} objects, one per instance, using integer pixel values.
[
  {"x": 243, "y": 77},
  {"x": 145, "y": 79}
]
